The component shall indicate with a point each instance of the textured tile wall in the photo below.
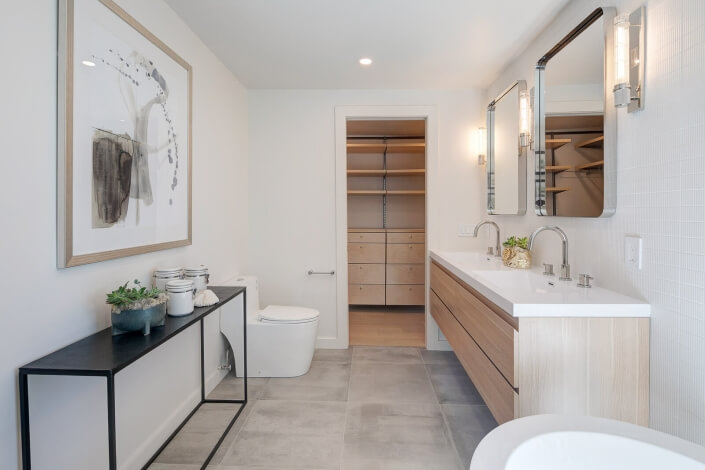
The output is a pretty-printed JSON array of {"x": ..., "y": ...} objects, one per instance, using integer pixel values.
[{"x": 661, "y": 197}]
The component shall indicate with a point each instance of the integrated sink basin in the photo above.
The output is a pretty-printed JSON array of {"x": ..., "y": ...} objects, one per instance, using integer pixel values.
[{"x": 528, "y": 293}]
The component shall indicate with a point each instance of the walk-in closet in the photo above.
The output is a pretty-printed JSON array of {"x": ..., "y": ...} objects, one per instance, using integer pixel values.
[{"x": 386, "y": 187}]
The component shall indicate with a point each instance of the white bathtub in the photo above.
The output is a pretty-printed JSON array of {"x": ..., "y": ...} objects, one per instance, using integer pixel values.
[{"x": 553, "y": 442}]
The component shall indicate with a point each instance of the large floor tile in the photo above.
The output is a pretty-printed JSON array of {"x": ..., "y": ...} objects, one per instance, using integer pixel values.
[
  {"x": 325, "y": 381},
  {"x": 396, "y": 436},
  {"x": 452, "y": 384},
  {"x": 232, "y": 434},
  {"x": 390, "y": 383},
  {"x": 333, "y": 355},
  {"x": 172, "y": 466},
  {"x": 212, "y": 417},
  {"x": 468, "y": 425},
  {"x": 397, "y": 355},
  {"x": 439, "y": 357},
  {"x": 290, "y": 433},
  {"x": 189, "y": 448},
  {"x": 297, "y": 417},
  {"x": 232, "y": 388}
]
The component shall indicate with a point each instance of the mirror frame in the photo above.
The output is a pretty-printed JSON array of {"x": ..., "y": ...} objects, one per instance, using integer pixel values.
[
  {"x": 521, "y": 154},
  {"x": 610, "y": 115}
]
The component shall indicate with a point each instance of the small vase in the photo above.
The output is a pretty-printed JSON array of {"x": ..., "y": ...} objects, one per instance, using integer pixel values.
[{"x": 516, "y": 257}]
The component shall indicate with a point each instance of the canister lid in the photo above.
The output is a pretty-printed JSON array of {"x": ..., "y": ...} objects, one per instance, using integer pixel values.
[
  {"x": 169, "y": 270},
  {"x": 196, "y": 270},
  {"x": 179, "y": 285}
]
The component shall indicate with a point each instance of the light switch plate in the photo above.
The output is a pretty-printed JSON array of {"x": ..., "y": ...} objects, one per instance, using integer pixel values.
[
  {"x": 633, "y": 250},
  {"x": 465, "y": 230}
]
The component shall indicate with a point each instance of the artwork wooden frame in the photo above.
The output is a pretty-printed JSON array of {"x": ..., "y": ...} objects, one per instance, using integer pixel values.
[{"x": 94, "y": 220}]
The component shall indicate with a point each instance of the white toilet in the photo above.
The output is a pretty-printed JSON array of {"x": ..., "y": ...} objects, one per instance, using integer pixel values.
[{"x": 280, "y": 339}]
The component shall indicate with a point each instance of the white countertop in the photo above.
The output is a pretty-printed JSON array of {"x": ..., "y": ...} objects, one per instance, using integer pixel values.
[{"x": 528, "y": 293}]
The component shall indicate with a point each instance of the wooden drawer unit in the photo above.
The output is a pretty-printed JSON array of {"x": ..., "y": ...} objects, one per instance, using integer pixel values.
[
  {"x": 406, "y": 295},
  {"x": 406, "y": 253},
  {"x": 365, "y": 294},
  {"x": 411, "y": 237},
  {"x": 366, "y": 252},
  {"x": 406, "y": 274},
  {"x": 366, "y": 237},
  {"x": 366, "y": 273},
  {"x": 500, "y": 397},
  {"x": 487, "y": 326}
]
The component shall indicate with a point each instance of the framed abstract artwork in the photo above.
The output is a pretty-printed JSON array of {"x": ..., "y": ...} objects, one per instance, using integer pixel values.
[{"x": 124, "y": 137}]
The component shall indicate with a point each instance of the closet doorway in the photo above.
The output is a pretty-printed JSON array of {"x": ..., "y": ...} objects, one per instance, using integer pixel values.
[{"x": 386, "y": 212}]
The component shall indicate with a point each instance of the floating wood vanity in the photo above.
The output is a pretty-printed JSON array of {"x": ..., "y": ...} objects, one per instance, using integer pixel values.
[{"x": 534, "y": 345}]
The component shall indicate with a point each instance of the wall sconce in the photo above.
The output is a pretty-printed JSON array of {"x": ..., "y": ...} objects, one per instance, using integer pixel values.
[
  {"x": 629, "y": 60},
  {"x": 524, "y": 120},
  {"x": 481, "y": 146}
]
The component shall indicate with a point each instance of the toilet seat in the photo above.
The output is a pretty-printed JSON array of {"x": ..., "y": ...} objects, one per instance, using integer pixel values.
[{"x": 287, "y": 315}]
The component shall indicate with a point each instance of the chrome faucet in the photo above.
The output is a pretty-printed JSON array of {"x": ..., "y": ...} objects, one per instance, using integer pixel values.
[
  {"x": 497, "y": 249},
  {"x": 565, "y": 267}
]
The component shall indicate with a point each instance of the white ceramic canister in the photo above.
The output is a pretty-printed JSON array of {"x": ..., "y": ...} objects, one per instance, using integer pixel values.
[
  {"x": 180, "y": 297},
  {"x": 163, "y": 275},
  {"x": 199, "y": 275}
]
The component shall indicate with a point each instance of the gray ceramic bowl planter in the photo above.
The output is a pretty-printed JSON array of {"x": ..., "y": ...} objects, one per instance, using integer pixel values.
[{"x": 138, "y": 320}]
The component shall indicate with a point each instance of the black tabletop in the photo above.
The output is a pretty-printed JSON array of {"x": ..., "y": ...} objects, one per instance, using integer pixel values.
[{"x": 105, "y": 354}]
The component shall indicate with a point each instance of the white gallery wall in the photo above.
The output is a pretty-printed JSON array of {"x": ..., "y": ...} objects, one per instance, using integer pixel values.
[
  {"x": 292, "y": 186},
  {"x": 44, "y": 308},
  {"x": 661, "y": 198}
]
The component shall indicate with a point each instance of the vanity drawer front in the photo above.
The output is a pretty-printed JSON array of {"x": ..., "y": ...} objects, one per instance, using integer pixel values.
[
  {"x": 366, "y": 252},
  {"x": 406, "y": 295},
  {"x": 366, "y": 237},
  {"x": 411, "y": 237},
  {"x": 365, "y": 274},
  {"x": 500, "y": 397},
  {"x": 497, "y": 338},
  {"x": 406, "y": 253},
  {"x": 406, "y": 274},
  {"x": 365, "y": 294}
]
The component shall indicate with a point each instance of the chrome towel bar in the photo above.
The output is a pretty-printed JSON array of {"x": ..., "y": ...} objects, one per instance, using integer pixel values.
[{"x": 311, "y": 272}]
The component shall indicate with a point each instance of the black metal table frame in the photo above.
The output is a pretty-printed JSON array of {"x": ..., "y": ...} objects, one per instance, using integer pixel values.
[{"x": 110, "y": 386}]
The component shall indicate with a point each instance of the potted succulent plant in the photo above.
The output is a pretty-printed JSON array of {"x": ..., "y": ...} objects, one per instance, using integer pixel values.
[
  {"x": 516, "y": 253},
  {"x": 136, "y": 308}
]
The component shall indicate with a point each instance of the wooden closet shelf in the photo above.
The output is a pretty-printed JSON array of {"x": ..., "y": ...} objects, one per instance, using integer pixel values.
[
  {"x": 595, "y": 142},
  {"x": 556, "y": 143},
  {"x": 408, "y": 192},
  {"x": 557, "y": 168},
  {"x": 367, "y": 172},
  {"x": 556, "y": 190},
  {"x": 406, "y": 172},
  {"x": 375, "y": 192},
  {"x": 591, "y": 166},
  {"x": 382, "y": 192},
  {"x": 392, "y": 147}
]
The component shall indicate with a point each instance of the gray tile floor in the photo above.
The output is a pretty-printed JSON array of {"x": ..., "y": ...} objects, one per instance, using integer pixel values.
[{"x": 362, "y": 408}]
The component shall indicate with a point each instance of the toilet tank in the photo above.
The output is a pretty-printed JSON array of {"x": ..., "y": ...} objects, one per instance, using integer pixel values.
[{"x": 250, "y": 283}]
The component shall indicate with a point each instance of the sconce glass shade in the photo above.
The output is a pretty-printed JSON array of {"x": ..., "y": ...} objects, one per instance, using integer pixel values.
[
  {"x": 481, "y": 145},
  {"x": 622, "y": 88},
  {"x": 524, "y": 119}
]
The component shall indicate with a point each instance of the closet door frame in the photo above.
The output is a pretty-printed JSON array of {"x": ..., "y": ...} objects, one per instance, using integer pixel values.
[{"x": 342, "y": 115}]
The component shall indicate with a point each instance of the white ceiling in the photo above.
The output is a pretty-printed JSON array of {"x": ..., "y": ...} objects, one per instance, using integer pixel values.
[{"x": 316, "y": 44}]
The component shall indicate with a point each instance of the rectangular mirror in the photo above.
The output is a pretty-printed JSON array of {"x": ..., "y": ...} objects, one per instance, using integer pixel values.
[
  {"x": 575, "y": 123},
  {"x": 506, "y": 156}
]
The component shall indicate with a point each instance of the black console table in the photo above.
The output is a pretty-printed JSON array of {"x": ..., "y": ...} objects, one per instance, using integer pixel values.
[{"x": 104, "y": 355}]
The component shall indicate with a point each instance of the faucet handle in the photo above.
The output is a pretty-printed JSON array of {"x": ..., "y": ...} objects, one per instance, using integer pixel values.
[
  {"x": 490, "y": 251},
  {"x": 548, "y": 269},
  {"x": 584, "y": 280}
]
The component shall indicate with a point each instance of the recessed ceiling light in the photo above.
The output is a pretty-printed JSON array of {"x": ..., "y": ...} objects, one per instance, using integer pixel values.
[
  {"x": 365, "y": 61},
  {"x": 88, "y": 63}
]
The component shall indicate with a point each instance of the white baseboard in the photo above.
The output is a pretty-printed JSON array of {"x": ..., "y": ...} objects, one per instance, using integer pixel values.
[{"x": 331, "y": 343}]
